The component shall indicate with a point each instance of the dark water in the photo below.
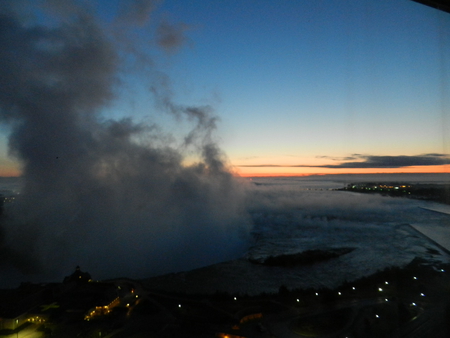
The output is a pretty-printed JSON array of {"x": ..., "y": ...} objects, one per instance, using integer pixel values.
[{"x": 293, "y": 215}]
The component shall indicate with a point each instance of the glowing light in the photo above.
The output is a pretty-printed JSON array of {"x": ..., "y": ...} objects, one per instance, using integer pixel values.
[
  {"x": 179, "y": 305},
  {"x": 380, "y": 289}
]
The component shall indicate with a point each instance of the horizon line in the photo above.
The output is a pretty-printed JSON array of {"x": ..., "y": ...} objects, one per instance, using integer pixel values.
[{"x": 334, "y": 174}]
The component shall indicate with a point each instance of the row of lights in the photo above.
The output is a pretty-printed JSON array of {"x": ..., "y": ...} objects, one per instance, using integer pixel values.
[
  {"x": 379, "y": 289},
  {"x": 354, "y": 288},
  {"x": 36, "y": 319}
]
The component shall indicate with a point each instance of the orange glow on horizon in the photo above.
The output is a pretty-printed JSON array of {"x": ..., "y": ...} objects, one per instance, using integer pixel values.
[
  {"x": 293, "y": 171},
  {"x": 298, "y": 171}
]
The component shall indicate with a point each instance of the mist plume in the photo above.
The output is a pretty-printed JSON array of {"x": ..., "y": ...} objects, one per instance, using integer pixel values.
[{"x": 109, "y": 195}]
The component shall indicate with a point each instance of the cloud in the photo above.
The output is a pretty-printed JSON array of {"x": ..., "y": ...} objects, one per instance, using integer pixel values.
[
  {"x": 263, "y": 165},
  {"x": 110, "y": 195},
  {"x": 170, "y": 37},
  {"x": 346, "y": 158},
  {"x": 136, "y": 12},
  {"x": 372, "y": 161},
  {"x": 249, "y": 157}
]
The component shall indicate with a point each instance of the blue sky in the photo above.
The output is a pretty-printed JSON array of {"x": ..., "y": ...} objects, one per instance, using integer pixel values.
[
  {"x": 303, "y": 82},
  {"x": 292, "y": 80}
]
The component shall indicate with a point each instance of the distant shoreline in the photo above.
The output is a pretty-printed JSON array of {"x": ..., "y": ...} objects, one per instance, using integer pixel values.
[
  {"x": 411, "y": 176},
  {"x": 434, "y": 192}
]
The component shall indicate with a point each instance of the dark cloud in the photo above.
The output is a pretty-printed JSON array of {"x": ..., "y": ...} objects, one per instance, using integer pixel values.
[
  {"x": 205, "y": 120},
  {"x": 110, "y": 195},
  {"x": 263, "y": 165},
  {"x": 62, "y": 8},
  {"x": 372, "y": 161},
  {"x": 136, "y": 12},
  {"x": 346, "y": 158},
  {"x": 170, "y": 37}
]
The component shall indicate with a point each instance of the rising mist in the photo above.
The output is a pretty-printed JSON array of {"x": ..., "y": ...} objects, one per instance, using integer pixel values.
[{"x": 113, "y": 196}]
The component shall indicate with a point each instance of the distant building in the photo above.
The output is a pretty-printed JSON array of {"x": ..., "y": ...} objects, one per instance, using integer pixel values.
[
  {"x": 78, "y": 297},
  {"x": 78, "y": 277},
  {"x": 17, "y": 306},
  {"x": 80, "y": 294}
]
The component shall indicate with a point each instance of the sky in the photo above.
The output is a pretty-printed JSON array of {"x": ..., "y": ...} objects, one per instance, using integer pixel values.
[{"x": 296, "y": 87}]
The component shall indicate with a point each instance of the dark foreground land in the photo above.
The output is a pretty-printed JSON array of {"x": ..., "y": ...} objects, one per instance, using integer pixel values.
[
  {"x": 398, "y": 302},
  {"x": 308, "y": 257}
]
